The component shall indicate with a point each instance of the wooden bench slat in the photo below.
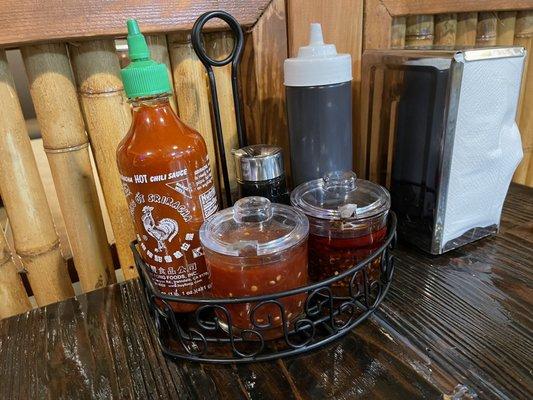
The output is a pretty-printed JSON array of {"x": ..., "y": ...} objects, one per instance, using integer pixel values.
[
  {"x": 23, "y": 21},
  {"x": 414, "y": 7}
]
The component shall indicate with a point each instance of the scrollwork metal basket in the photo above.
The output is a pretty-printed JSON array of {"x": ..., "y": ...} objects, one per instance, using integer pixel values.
[{"x": 207, "y": 334}]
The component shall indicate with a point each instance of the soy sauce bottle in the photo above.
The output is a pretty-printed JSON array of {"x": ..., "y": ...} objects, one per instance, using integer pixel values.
[
  {"x": 166, "y": 178},
  {"x": 260, "y": 172}
]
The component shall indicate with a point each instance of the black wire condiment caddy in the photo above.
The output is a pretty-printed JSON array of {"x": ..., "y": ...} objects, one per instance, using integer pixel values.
[{"x": 207, "y": 335}]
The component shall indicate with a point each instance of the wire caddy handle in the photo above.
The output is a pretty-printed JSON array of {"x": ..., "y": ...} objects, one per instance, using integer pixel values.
[{"x": 234, "y": 58}]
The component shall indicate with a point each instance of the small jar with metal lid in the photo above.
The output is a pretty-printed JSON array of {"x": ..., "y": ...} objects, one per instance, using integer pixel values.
[
  {"x": 347, "y": 223},
  {"x": 256, "y": 248},
  {"x": 260, "y": 172}
]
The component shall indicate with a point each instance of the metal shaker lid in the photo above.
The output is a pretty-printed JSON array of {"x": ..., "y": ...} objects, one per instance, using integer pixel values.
[{"x": 258, "y": 162}]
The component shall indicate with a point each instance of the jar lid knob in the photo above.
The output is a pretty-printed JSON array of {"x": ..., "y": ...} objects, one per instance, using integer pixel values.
[
  {"x": 346, "y": 180},
  {"x": 252, "y": 209}
]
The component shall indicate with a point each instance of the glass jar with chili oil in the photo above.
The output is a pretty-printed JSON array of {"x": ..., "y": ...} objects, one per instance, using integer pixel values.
[
  {"x": 165, "y": 173},
  {"x": 257, "y": 248},
  {"x": 347, "y": 223}
]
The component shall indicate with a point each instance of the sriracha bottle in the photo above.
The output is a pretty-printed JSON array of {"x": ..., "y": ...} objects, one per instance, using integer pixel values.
[{"x": 166, "y": 178}]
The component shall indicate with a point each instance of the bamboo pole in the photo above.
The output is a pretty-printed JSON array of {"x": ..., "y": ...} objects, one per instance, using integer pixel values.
[
  {"x": 487, "y": 25},
  {"x": 14, "y": 298},
  {"x": 108, "y": 117},
  {"x": 419, "y": 31},
  {"x": 466, "y": 29},
  {"x": 34, "y": 235},
  {"x": 56, "y": 104},
  {"x": 398, "y": 33},
  {"x": 192, "y": 95},
  {"x": 218, "y": 46},
  {"x": 524, "y": 37},
  {"x": 159, "y": 52},
  {"x": 445, "y": 29},
  {"x": 506, "y": 25}
]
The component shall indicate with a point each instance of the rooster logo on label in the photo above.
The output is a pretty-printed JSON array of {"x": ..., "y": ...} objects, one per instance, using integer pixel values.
[{"x": 165, "y": 229}]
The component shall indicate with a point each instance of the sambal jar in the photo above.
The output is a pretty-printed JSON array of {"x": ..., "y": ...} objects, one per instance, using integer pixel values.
[
  {"x": 257, "y": 248},
  {"x": 347, "y": 223}
]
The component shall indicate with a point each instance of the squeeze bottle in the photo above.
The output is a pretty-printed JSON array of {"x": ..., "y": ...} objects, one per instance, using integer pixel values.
[{"x": 319, "y": 109}]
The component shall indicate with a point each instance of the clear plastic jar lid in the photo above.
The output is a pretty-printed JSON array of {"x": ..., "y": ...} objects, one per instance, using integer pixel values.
[
  {"x": 341, "y": 196},
  {"x": 254, "y": 227}
]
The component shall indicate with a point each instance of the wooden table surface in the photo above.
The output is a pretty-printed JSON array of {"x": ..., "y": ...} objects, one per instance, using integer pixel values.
[{"x": 454, "y": 326}]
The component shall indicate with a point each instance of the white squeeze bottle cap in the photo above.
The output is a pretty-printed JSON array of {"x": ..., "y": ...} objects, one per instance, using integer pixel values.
[{"x": 317, "y": 63}]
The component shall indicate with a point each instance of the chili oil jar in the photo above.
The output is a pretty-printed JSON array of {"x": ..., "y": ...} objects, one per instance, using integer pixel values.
[
  {"x": 347, "y": 223},
  {"x": 260, "y": 172},
  {"x": 257, "y": 248}
]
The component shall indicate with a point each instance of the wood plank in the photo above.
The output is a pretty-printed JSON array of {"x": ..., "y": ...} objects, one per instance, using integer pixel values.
[
  {"x": 261, "y": 77},
  {"x": 342, "y": 26},
  {"x": 524, "y": 37},
  {"x": 377, "y": 25},
  {"x": 414, "y": 7},
  {"x": 23, "y": 22},
  {"x": 457, "y": 323}
]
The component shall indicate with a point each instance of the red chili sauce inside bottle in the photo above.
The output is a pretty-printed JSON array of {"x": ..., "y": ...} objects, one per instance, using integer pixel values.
[
  {"x": 347, "y": 223},
  {"x": 166, "y": 178}
]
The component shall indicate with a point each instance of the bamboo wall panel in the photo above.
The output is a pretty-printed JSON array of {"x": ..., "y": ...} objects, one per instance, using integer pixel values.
[
  {"x": 24, "y": 22},
  {"x": 263, "y": 95},
  {"x": 445, "y": 29},
  {"x": 419, "y": 31},
  {"x": 487, "y": 25},
  {"x": 159, "y": 52},
  {"x": 466, "y": 29},
  {"x": 192, "y": 94},
  {"x": 218, "y": 46},
  {"x": 56, "y": 103},
  {"x": 505, "y": 29},
  {"x": 398, "y": 33},
  {"x": 524, "y": 37},
  {"x": 34, "y": 235},
  {"x": 108, "y": 117},
  {"x": 12, "y": 294},
  {"x": 342, "y": 26}
]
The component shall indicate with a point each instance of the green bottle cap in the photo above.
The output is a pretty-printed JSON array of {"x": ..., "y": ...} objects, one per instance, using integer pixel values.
[{"x": 143, "y": 77}]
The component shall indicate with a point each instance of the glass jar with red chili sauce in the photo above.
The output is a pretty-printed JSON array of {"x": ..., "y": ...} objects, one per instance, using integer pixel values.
[
  {"x": 347, "y": 223},
  {"x": 256, "y": 248}
]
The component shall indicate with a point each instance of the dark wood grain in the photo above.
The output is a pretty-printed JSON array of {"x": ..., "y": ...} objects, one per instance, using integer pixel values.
[
  {"x": 459, "y": 322},
  {"x": 414, "y": 7},
  {"x": 23, "y": 22}
]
